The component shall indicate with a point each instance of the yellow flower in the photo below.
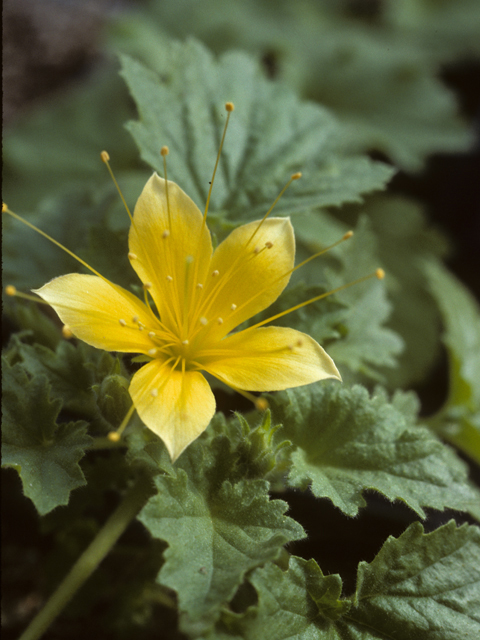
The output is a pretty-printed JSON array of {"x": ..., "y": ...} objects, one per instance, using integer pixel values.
[{"x": 200, "y": 296}]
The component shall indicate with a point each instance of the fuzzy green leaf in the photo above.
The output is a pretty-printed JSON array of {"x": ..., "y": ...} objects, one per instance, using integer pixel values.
[
  {"x": 459, "y": 420},
  {"x": 216, "y": 530},
  {"x": 418, "y": 586},
  {"x": 44, "y": 453},
  {"x": 348, "y": 442},
  {"x": 271, "y": 135},
  {"x": 421, "y": 585}
]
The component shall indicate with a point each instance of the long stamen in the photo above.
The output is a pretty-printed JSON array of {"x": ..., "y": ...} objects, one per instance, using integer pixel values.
[
  {"x": 346, "y": 236},
  {"x": 229, "y": 107},
  {"x": 106, "y": 159},
  {"x": 115, "y": 436},
  {"x": 10, "y": 290},
  {"x": 5, "y": 209},
  {"x": 378, "y": 273}
]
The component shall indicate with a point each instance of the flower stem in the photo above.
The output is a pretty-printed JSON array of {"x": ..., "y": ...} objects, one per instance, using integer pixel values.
[{"x": 106, "y": 538}]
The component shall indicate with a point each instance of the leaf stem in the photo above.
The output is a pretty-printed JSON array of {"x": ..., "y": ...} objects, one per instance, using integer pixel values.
[{"x": 106, "y": 538}]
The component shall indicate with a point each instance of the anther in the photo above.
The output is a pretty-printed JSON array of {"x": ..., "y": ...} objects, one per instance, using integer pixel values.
[
  {"x": 165, "y": 234},
  {"x": 348, "y": 235},
  {"x": 203, "y": 321},
  {"x": 297, "y": 175},
  {"x": 256, "y": 250},
  {"x": 290, "y": 347},
  {"x": 299, "y": 343},
  {"x": 261, "y": 404},
  {"x": 105, "y": 157},
  {"x": 185, "y": 342},
  {"x": 10, "y": 290},
  {"x": 215, "y": 273},
  {"x": 113, "y": 436},
  {"x": 152, "y": 352},
  {"x": 132, "y": 256},
  {"x": 4, "y": 207},
  {"x": 135, "y": 319},
  {"x": 154, "y": 393},
  {"x": 380, "y": 273},
  {"x": 147, "y": 285},
  {"x": 164, "y": 151},
  {"x": 67, "y": 333},
  {"x": 269, "y": 244},
  {"x": 233, "y": 307},
  {"x": 199, "y": 285},
  {"x": 151, "y": 334},
  {"x": 229, "y": 106},
  {"x": 219, "y": 320},
  {"x": 122, "y": 322},
  {"x": 141, "y": 326},
  {"x": 169, "y": 279}
]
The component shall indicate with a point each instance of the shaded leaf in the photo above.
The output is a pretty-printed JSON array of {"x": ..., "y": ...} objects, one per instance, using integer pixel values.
[{"x": 44, "y": 453}]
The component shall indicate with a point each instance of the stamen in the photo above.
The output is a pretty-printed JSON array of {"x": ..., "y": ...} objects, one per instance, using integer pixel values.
[
  {"x": 10, "y": 290},
  {"x": 106, "y": 159},
  {"x": 269, "y": 244},
  {"x": 165, "y": 234},
  {"x": 233, "y": 307},
  {"x": 261, "y": 404},
  {"x": 199, "y": 286},
  {"x": 147, "y": 285},
  {"x": 151, "y": 334},
  {"x": 132, "y": 256},
  {"x": 169, "y": 279},
  {"x": 219, "y": 320},
  {"x": 67, "y": 333},
  {"x": 203, "y": 321},
  {"x": 256, "y": 250},
  {"x": 141, "y": 326},
  {"x": 215, "y": 273},
  {"x": 122, "y": 322},
  {"x": 135, "y": 319},
  {"x": 185, "y": 342},
  {"x": 115, "y": 436},
  {"x": 154, "y": 393},
  {"x": 380, "y": 273},
  {"x": 152, "y": 352}
]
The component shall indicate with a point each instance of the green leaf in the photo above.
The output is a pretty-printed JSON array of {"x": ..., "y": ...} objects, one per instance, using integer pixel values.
[
  {"x": 271, "y": 135},
  {"x": 347, "y": 442},
  {"x": 459, "y": 419},
  {"x": 421, "y": 585},
  {"x": 216, "y": 531},
  {"x": 44, "y": 453},
  {"x": 418, "y": 586}
]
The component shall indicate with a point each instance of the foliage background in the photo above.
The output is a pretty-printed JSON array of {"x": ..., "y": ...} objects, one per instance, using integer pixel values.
[{"x": 67, "y": 76}]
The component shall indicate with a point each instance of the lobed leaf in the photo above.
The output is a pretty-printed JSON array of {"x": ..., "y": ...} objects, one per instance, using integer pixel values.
[
  {"x": 44, "y": 452},
  {"x": 272, "y": 134},
  {"x": 347, "y": 442}
]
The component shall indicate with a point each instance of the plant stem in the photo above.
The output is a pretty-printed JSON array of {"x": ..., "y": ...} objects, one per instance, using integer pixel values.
[{"x": 106, "y": 538}]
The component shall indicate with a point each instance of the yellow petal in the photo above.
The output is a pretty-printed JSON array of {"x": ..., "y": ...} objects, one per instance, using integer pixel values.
[
  {"x": 269, "y": 359},
  {"x": 176, "y": 406},
  {"x": 250, "y": 275},
  {"x": 163, "y": 246},
  {"x": 100, "y": 312}
]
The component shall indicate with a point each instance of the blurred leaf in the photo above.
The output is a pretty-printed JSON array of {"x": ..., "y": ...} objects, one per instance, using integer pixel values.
[
  {"x": 57, "y": 147},
  {"x": 44, "y": 453},
  {"x": 271, "y": 135},
  {"x": 376, "y": 76},
  {"x": 347, "y": 443},
  {"x": 459, "y": 420}
]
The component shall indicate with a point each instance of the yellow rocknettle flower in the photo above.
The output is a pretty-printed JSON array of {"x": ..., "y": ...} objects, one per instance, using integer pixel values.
[{"x": 200, "y": 295}]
